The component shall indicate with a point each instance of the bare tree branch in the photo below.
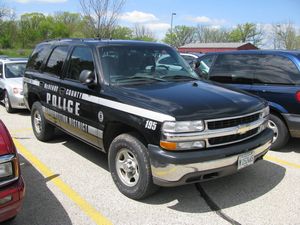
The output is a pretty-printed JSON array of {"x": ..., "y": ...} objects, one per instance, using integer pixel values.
[
  {"x": 285, "y": 36},
  {"x": 102, "y": 15}
]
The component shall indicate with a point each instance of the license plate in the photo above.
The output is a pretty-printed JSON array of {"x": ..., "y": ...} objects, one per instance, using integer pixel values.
[{"x": 245, "y": 160}]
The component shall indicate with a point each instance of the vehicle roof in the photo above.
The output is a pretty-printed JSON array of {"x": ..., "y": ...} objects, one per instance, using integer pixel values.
[
  {"x": 13, "y": 60},
  {"x": 192, "y": 53},
  {"x": 101, "y": 42},
  {"x": 271, "y": 52}
]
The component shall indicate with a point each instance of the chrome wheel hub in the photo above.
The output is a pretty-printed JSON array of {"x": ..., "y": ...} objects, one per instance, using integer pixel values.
[
  {"x": 127, "y": 167},
  {"x": 6, "y": 102},
  {"x": 273, "y": 126},
  {"x": 37, "y": 121}
]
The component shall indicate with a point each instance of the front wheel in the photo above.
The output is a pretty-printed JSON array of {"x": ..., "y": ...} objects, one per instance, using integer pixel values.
[
  {"x": 41, "y": 128},
  {"x": 7, "y": 104},
  {"x": 129, "y": 165},
  {"x": 281, "y": 134}
]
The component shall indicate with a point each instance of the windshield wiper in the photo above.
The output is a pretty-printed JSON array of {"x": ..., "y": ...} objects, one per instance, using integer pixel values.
[
  {"x": 140, "y": 78},
  {"x": 180, "y": 77}
]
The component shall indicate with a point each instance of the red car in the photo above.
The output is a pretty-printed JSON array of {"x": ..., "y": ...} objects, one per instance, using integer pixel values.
[{"x": 12, "y": 188}]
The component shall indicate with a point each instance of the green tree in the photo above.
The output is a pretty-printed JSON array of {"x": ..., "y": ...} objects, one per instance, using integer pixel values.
[
  {"x": 73, "y": 23},
  {"x": 180, "y": 36},
  {"x": 247, "y": 32},
  {"x": 124, "y": 33},
  {"x": 30, "y": 33}
]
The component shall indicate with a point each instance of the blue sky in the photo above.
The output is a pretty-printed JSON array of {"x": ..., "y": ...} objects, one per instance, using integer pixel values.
[{"x": 156, "y": 14}]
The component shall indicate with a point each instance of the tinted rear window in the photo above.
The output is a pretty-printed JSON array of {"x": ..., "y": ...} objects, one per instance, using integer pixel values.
[
  {"x": 273, "y": 69},
  {"x": 38, "y": 55},
  {"x": 234, "y": 69},
  {"x": 56, "y": 60}
]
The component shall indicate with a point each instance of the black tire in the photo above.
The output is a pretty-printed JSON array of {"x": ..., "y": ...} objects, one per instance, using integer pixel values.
[
  {"x": 41, "y": 128},
  {"x": 7, "y": 104},
  {"x": 143, "y": 186},
  {"x": 281, "y": 133}
]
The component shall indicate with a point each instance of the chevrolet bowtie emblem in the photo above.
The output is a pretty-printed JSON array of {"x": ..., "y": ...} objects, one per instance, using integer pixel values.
[{"x": 242, "y": 129}]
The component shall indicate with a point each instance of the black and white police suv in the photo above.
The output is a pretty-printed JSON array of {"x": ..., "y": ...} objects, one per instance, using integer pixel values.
[{"x": 159, "y": 124}]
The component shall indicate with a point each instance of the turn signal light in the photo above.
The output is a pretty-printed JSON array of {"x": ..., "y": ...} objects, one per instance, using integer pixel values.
[
  {"x": 298, "y": 96},
  {"x": 168, "y": 145}
]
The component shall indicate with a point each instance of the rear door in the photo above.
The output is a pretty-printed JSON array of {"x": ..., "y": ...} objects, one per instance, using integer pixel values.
[
  {"x": 48, "y": 82},
  {"x": 235, "y": 70},
  {"x": 83, "y": 118}
]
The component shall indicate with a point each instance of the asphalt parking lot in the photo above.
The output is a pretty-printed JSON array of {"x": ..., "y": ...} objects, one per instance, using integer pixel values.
[{"x": 68, "y": 182}]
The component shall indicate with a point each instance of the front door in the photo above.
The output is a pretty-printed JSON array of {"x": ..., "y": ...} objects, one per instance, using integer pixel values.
[{"x": 83, "y": 119}]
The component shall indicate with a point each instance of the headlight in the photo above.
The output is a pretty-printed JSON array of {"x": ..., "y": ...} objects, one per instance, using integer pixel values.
[
  {"x": 6, "y": 170},
  {"x": 178, "y": 129},
  {"x": 17, "y": 91},
  {"x": 9, "y": 169},
  {"x": 183, "y": 126},
  {"x": 265, "y": 112}
]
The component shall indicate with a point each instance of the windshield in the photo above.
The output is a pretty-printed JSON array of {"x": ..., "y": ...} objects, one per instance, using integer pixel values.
[
  {"x": 132, "y": 64},
  {"x": 14, "y": 70}
]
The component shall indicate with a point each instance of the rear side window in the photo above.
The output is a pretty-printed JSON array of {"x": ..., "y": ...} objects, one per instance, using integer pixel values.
[
  {"x": 81, "y": 59},
  {"x": 37, "y": 57},
  {"x": 275, "y": 69},
  {"x": 56, "y": 60},
  {"x": 1, "y": 70},
  {"x": 234, "y": 69}
]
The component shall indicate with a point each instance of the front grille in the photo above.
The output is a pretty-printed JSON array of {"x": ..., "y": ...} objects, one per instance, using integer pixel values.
[
  {"x": 231, "y": 138},
  {"x": 213, "y": 125}
]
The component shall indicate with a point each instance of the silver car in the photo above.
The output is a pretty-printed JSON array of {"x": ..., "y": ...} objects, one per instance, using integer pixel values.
[{"x": 11, "y": 83}]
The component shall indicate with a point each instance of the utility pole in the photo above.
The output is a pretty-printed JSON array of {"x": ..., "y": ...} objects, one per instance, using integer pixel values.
[{"x": 173, "y": 14}]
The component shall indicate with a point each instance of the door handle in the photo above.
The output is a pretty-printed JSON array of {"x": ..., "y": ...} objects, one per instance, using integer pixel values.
[{"x": 42, "y": 84}]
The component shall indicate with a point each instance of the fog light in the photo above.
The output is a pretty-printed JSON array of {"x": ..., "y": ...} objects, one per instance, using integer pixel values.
[
  {"x": 5, "y": 199},
  {"x": 182, "y": 145},
  {"x": 191, "y": 145}
]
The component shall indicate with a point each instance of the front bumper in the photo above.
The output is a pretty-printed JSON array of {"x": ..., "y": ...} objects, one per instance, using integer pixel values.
[
  {"x": 17, "y": 101},
  {"x": 178, "y": 168},
  {"x": 293, "y": 122}
]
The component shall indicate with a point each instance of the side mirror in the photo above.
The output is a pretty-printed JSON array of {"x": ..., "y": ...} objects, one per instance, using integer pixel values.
[{"x": 87, "y": 77}]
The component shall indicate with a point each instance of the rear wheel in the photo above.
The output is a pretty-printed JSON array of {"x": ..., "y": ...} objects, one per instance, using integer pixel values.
[
  {"x": 41, "y": 128},
  {"x": 281, "y": 134},
  {"x": 7, "y": 104},
  {"x": 129, "y": 165}
]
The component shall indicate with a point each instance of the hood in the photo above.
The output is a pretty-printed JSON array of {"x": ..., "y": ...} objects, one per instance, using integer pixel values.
[
  {"x": 14, "y": 82},
  {"x": 193, "y": 100}
]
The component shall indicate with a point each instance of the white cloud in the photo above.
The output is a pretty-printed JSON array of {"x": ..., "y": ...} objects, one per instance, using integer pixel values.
[
  {"x": 206, "y": 20},
  {"x": 138, "y": 17},
  {"x": 157, "y": 26},
  {"x": 41, "y": 1}
]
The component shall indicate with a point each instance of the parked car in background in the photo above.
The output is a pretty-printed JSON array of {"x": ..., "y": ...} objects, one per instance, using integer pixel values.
[
  {"x": 12, "y": 188},
  {"x": 191, "y": 56},
  {"x": 272, "y": 75},
  {"x": 11, "y": 83}
]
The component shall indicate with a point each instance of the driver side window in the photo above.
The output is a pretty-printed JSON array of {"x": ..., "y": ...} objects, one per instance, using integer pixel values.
[{"x": 81, "y": 59}]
